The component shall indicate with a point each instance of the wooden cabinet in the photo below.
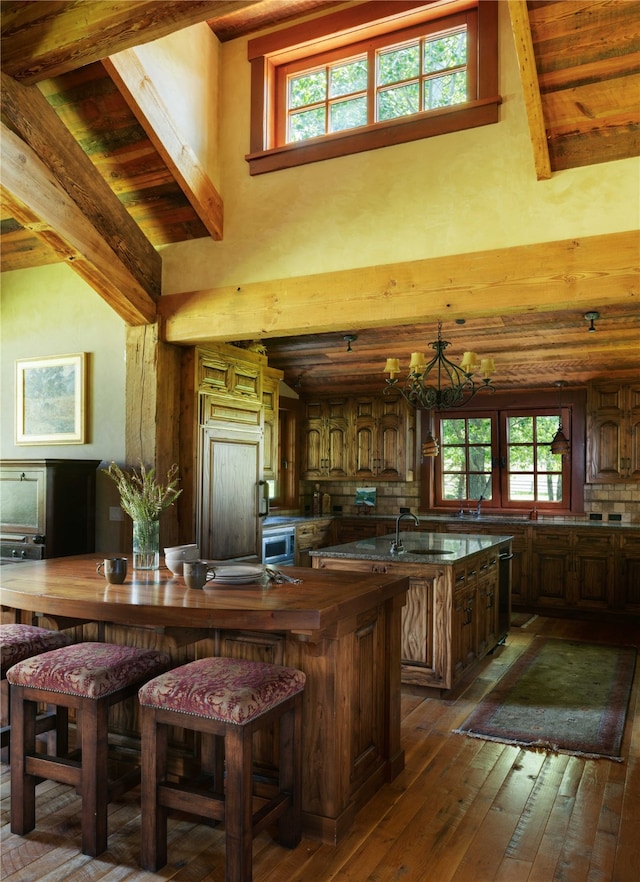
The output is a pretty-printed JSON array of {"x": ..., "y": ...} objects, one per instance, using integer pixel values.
[
  {"x": 573, "y": 569},
  {"x": 613, "y": 432},
  {"x": 628, "y": 574},
  {"x": 555, "y": 569},
  {"x": 47, "y": 507},
  {"x": 353, "y": 529},
  {"x": 487, "y": 594},
  {"x": 229, "y": 406},
  {"x": 380, "y": 443},
  {"x": 270, "y": 403},
  {"x": 325, "y": 448},
  {"x": 228, "y": 493},
  {"x": 309, "y": 536},
  {"x": 360, "y": 437},
  {"x": 450, "y": 619},
  {"x": 520, "y": 549}
]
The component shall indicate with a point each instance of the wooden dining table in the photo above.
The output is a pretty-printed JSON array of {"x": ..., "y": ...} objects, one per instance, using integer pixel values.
[{"x": 342, "y": 629}]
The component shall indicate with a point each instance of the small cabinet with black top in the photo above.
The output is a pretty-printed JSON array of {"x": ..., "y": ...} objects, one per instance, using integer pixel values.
[{"x": 47, "y": 507}]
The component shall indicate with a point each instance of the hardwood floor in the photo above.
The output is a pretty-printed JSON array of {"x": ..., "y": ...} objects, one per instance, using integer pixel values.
[{"x": 463, "y": 810}]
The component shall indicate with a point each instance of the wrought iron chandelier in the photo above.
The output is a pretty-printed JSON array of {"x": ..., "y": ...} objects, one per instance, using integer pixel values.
[{"x": 426, "y": 384}]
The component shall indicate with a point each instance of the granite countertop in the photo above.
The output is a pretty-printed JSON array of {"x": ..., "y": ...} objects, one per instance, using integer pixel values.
[
  {"x": 420, "y": 548},
  {"x": 282, "y": 520}
]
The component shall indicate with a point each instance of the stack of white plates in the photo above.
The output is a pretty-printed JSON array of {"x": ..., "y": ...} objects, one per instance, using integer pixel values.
[{"x": 237, "y": 574}]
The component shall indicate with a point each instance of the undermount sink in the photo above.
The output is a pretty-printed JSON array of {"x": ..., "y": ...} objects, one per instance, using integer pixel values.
[{"x": 428, "y": 551}]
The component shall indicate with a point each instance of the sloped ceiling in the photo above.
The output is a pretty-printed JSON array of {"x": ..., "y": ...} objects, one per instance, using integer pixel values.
[{"x": 581, "y": 80}]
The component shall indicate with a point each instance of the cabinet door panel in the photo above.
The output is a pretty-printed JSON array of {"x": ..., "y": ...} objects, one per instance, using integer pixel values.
[
  {"x": 550, "y": 577},
  {"x": 594, "y": 580},
  {"x": 231, "y": 469}
]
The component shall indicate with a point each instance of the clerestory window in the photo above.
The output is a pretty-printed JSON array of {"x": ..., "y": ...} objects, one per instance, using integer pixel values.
[{"x": 377, "y": 74}]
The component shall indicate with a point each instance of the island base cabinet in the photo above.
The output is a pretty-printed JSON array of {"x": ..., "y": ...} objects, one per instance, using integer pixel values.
[
  {"x": 347, "y": 751},
  {"x": 451, "y": 617}
]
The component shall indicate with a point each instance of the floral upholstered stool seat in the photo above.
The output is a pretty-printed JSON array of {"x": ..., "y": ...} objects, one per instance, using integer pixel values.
[
  {"x": 226, "y": 700},
  {"x": 89, "y": 677},
  {"x": 18, "y": 642}
]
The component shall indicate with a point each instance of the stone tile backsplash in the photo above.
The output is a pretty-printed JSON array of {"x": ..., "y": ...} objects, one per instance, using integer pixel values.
[{"x": 603, "y": 499}]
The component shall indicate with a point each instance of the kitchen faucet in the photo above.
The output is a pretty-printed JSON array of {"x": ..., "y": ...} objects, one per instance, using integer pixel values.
[{"x": 397, "y": 547}]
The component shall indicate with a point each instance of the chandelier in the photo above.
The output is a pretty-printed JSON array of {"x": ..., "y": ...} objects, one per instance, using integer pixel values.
[{"x": 440, "y": 383}]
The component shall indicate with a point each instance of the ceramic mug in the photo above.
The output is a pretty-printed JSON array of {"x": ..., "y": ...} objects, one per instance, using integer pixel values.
[
  {"x": 196, "y": 573},
  {"x": 115, "y": 569}
]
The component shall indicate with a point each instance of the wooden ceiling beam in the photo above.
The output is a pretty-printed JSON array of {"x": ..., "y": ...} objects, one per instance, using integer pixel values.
[
  {"x": 50, "y": 213},
  {"x": 47, "y": 38},
  {"x": 545, "y": 277},
  {"x": 530, "y": 87},
  {"x": 26, "y": 111},
  {"x": 139, "y": 91}
]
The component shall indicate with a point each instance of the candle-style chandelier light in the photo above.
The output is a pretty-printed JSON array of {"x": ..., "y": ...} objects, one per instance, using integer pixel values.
[{"x": 439, "y": 383}]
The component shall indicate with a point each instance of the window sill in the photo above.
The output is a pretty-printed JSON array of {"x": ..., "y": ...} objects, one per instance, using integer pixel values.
[{"x": 438, "y": 122}]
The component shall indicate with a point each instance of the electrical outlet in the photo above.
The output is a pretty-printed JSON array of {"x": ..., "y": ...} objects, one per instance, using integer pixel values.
[{"x": 115, "y": 513}]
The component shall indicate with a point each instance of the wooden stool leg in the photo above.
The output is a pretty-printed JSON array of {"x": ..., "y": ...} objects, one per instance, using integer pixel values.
[
  {"x": 23, "y": 741},
  {"x": 93, "y": 724},
  {"x": 61, "y": 731},
  {"x": 153, "y": 834},
  {"x": 290, "y": 772},
  {"x": 238, "y": 814},
  {"x": 212, "y": 760}
]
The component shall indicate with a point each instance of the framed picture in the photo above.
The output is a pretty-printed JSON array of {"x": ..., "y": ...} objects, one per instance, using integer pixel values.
[{"x": 50, "y": 399}]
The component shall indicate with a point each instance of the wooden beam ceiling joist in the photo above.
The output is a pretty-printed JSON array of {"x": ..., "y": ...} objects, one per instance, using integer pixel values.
[
  {"x": 530, "y": 87},
  {"x": 47, "y": 38},
  {"x": 26, "y": 112},
  {"x": 44, "y": 207},
  {"x": 139, "y": 91},
  {"x": 551, "y": 276}
]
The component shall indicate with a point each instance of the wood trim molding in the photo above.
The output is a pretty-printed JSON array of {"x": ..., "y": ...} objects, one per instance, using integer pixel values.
[{"x": 530, "y": 87}]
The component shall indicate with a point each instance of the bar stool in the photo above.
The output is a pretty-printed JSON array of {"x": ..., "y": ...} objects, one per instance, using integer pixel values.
[
  {"x": 18, "y": 642},
  {"x": 89, "y": 677},
  {"x": 227, "y": 700}
]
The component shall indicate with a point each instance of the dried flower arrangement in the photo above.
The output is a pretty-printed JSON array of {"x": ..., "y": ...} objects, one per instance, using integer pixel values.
[{"x": 141, "y": 496}]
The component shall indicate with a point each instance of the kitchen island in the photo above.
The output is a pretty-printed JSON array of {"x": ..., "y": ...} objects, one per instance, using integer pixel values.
[
  {"x": 343, "y": 630},
  {"x": 459, "y": 601}
]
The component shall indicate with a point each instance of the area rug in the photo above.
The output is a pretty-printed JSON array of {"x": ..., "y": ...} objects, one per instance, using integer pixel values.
[{"x": 562, "y": 696}]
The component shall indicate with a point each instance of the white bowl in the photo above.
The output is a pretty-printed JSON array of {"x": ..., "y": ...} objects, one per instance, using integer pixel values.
[
  {"x": 185, "y": 552},
  {"x": 176, "y": 556},
  {"x": 175, "y": 565}
]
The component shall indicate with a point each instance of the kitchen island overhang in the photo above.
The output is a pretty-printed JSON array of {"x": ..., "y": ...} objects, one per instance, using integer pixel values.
[
  {"x": 459, "y": 601},
  {"x": 343, "y": 630}
]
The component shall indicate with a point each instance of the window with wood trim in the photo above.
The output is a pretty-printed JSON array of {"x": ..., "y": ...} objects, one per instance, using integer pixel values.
[
  {"x": 371, "y": 76},
  {"x": 503, "y": 455}
]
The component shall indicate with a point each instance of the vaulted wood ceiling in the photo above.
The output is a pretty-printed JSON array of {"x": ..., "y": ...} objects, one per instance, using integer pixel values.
[{"x": 80, "y": 140}]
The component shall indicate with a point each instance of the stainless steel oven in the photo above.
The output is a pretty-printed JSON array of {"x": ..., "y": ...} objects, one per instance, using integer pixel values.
[{"x": 279, "y": 546}]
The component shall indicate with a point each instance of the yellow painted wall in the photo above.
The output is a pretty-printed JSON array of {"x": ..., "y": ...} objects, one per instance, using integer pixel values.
[
  {"x": 52, "y": 311},
  {"x": 463, "y": 192},
  {"x": 184, "y": 68}
]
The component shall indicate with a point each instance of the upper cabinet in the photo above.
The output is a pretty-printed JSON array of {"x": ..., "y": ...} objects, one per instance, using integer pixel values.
[
  {"x": 361, "y": 437},
  {"x": 270, "y": 404},
  {"x": 325, "y": 442},
  {"x": 380, "y": 443},
  {"x": 613, "y": 432}
]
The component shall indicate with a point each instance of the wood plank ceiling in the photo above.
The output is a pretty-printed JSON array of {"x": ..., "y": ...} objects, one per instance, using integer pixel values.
[{"x": 580, "y": 68}]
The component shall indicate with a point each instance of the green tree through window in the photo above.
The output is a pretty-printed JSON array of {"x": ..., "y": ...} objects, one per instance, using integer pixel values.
[
  {"x": 502, "y": 456},
  {"x": 416, "y": 76}
]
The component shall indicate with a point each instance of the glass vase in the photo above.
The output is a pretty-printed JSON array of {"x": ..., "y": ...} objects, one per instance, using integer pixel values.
[{"x": 146, "y": 545}]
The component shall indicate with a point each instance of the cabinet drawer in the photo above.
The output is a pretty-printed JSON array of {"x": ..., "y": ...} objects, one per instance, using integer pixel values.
[
  {"x": 589, "y": 540},
  {"x": 558, "y": 538}
]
